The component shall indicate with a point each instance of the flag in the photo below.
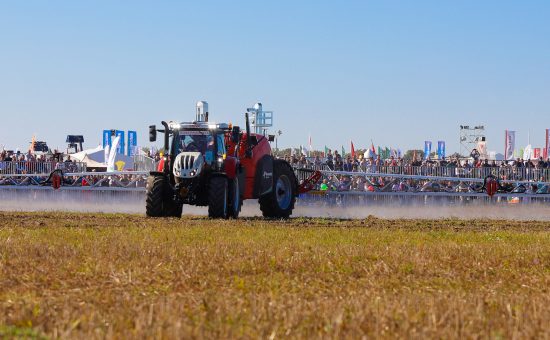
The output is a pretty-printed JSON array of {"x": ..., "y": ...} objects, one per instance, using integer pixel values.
[
  {"x": 303, "y": 150},
  {"x": 107, "y": 151},
  {"x": 509, "y": 144},
  {"x": 33, "y": 142},
  {"x": 107, "y": 139},
  {"x": 380, "y": 152},
  {"x": 112, "y": 154},
  {"x": 352, "y": 150},
  {"x": 546, "y": 150},
  {"x": 343, "y": 151},
  {"x": 482, "y": 148},
  {"x": 528, "y": 152},
  {"x": 310, "y": 145},
  {"x": 132, "y": 143},
  {"x": 536, "y": 153},
  {"x": 372, "y": 148},
  {"x": 399, "y": 154},
  {"x": 440, "y": 149},
  {"x": 120, "y": 148},
  {"x": 387, "y": 153},
  {"x": 326, "y": 151},
  {"x": 427, "y": 149}
]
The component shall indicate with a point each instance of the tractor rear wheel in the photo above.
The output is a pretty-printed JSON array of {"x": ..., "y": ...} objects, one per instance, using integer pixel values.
[
  {"x": 218, "y": 198},
  {"x": 236, "y": 201},
  {"x": 279, "y": 203},
  {"x": 158, "y": 201}
]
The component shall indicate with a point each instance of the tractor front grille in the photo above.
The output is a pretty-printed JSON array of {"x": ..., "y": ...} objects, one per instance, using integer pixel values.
[{"x": 186, "y": 162}]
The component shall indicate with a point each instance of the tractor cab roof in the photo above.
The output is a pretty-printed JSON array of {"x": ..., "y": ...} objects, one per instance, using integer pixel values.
[{"x": 193, "y": 126}]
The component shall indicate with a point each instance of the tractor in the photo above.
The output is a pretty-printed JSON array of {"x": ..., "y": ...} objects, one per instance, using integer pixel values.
[{"x": 219, "y": 166}]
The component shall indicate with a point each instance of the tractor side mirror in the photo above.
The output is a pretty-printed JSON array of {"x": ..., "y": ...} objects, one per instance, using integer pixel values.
[
  {"x": 152, "y": 133},
  {"x": 271, "y": 138},
  {"x": 235, "y": 134}
]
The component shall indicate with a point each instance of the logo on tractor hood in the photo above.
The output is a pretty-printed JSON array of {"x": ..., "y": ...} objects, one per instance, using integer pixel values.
[{"x": 268, "y": 174}]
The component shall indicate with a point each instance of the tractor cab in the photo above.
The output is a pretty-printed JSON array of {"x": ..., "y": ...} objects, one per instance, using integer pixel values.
[{"x": 192, "y": 141}]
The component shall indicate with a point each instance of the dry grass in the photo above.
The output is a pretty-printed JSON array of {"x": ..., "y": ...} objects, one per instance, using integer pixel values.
[{"x": 125, "y": 276}]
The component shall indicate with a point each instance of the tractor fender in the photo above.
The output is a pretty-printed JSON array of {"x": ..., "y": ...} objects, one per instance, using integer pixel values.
[
  {"x": 230, "y": 166},
  {"x": 263, "y": 181},
  {"x": 157, "y": 173}
]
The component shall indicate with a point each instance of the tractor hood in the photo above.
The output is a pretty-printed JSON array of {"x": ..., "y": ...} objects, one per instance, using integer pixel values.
[{"x": 188, "y": 164}]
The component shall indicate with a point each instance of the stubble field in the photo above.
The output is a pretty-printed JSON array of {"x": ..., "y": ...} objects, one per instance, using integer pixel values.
[{"x": 73, "y": 275}]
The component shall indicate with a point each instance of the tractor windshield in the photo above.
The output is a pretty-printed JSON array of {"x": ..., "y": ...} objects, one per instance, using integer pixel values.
[{"x": 196, "y": 141}]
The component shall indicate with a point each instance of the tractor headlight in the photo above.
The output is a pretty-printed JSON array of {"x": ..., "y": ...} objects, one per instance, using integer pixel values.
[{"x": 175, "y": 126}]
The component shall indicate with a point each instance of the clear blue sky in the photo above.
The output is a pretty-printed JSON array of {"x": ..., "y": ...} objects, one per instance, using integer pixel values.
[{"x": 396, "y": 72}]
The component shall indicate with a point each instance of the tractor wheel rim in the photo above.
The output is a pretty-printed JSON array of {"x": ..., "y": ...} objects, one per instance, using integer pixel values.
[{"x": 283, "y": 192}]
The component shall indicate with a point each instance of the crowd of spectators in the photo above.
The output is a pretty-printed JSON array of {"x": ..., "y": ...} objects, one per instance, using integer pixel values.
[
  {"x": 336, "y": 162},
  {"x": 536, "y": 170},
  {"x": 32, "y": 163},
  {"x": 474, "y": 167}
]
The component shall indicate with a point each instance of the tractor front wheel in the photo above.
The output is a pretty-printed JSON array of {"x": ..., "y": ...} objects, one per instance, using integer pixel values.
[
  {"x": 279, "y": 203},
  {"x": 218, "y": 198},
  {"x": 159, "y": 201}
]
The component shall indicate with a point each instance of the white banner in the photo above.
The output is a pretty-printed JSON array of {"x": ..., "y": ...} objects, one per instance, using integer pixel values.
[
  {"x": 510, "y": 144},
  {"x": 528, "y": 153},
  {"x": 106, "y": 151},
  {"x": 482, "y": 148},
  {"x": 112, "y": 155}
]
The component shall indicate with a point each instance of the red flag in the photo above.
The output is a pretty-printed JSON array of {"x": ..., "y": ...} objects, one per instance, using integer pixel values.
[
  {"x": 372, "y": 148},
  {"x": 352, "y": 150},
  {"x": 536, "y": 153}
]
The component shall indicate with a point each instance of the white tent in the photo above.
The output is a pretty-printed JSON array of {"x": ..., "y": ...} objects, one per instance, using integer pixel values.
[{"x": 95, "y": 158}]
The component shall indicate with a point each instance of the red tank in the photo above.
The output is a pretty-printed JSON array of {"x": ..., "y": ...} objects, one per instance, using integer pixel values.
[{"x": 261, "y": 148}]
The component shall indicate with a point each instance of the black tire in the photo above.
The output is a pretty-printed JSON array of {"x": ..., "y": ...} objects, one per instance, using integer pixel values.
[
  {"x": 235, "y": 198},
  {"x": 158, "y": 201},
  {"x": 154, "y": 200},
  {"x": 218, "y": 193},
  {"x": 279, "y": 203},
  {"x": 173, "y": 209}
]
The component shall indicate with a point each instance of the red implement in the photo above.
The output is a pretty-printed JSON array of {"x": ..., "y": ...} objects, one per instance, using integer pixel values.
[
  {"x": 309, "y": 183},
  {"x": 491, "y": 185}
]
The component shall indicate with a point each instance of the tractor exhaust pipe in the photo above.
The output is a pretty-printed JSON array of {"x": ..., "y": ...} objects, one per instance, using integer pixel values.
[
  {"x": 166, "y": 145},
  {"x": 248, "y": 137}
]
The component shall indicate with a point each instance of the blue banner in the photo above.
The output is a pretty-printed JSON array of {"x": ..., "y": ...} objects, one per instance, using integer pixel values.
[
  {"x": 441, "y": 149},
  {"x": 106, "y": 138},
  {"x": 427, "y": 149},
  {"x": 132, "y": 143},
  {"x": 120, "y": 148}
]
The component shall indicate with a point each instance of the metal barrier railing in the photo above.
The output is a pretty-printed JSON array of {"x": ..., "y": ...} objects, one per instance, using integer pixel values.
[
  {"x": 144, "y": 163},
  {"x": 29, "y": 167},
  {"x": 502, "y": 173},
  {"x": 418, "y": 181}
]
